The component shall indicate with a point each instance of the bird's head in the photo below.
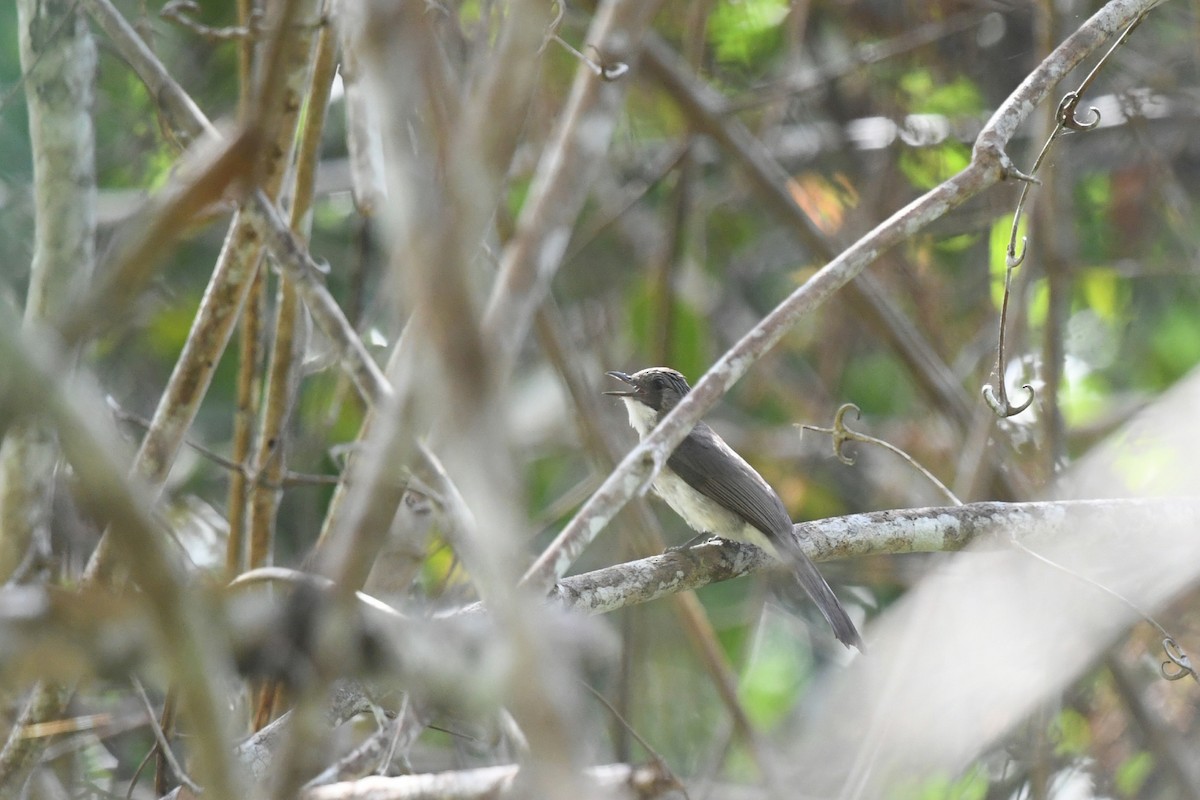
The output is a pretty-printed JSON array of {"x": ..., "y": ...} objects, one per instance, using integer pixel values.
[{"x": 658, "y": 388}]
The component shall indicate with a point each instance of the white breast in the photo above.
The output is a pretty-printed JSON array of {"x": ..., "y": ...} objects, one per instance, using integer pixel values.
[
  {"x": 701, "y": 513},
  {"x": 642, "y": 417}
]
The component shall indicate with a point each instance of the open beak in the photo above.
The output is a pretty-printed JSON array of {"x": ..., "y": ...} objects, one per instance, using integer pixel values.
[{"x": 621, "y": 376}]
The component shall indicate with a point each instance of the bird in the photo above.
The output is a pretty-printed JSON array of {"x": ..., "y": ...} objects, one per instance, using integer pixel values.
[{"x": 718, "y": 494}]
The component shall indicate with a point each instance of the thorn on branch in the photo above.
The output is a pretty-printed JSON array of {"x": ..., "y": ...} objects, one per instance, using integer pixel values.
[{"x": 1010, "y": 170}]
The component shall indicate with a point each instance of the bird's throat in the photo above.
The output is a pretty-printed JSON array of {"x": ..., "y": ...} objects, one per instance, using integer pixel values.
[{"x": 642, "y": 418}]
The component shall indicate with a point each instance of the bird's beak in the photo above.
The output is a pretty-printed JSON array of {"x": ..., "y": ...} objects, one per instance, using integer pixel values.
[{"x": 621, "y": 376}]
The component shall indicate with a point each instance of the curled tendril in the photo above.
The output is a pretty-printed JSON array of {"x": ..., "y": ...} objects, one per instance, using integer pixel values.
[
  {"x": 1067, "y": 114},
  {"x": 560, "y": 11},
  {"x": 1013, "y": 260},
  {"x": 842, "y": 434},
  {"x": 605, "y": 70},
  {"x": 1001, "y": 405},
  {"x": 1178, "y": 664}
]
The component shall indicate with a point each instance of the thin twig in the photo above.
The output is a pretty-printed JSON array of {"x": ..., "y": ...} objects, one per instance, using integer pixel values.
[
  {"x": 1175, "y": 653},
  {"x": 841, "y": 434},
  {"x": 997, "y": 398},
  {"x": 180, "y": 12},
  {"x": 160, "y": 736},
  {"x": 254, "y": 477}
]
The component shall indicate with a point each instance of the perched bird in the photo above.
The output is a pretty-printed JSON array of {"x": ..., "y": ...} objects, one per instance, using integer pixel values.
[{"x": 717, "y": 493}]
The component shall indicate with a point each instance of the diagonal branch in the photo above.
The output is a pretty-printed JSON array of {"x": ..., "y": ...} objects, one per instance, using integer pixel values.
[{"x": 989, "y": 165}]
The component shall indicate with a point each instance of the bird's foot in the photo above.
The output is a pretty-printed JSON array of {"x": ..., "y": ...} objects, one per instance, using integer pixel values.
[{"x": 695, "y": 541}]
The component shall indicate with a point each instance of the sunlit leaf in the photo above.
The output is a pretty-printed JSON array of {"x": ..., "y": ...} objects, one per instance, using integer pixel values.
[
  {"x": 743, "y": 31},
  {"x": 1105, "y": 291},
  {"x": 774, "y": 677},
  {"x": 1133, "y": 772},
  {"x": 877, "y": 384},
  {"x": 1073, "y": 733},
  {"x": 925, "y": 96},
  {"x": 926, "y": 167}
]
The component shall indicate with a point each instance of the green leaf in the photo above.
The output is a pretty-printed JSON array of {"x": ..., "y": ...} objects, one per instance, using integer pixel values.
[
  {"x": 687, "y": 336},
  {"x": 742, "y": 32},
  {"x": 1133, "y": 772},
  {"x": 1073, "y": 733},
  {"x": 957, "y": 98},
  {"x": 956, "y": 245},
  {"x": 1175, "y": 344},
  {"x": 877, "y": 384},
  {"x": 1104, "y": 291},
  {"x": 773, "y": 680},
  {"x": 926, "y": 167},
  {"x": 972, "y": 786}
]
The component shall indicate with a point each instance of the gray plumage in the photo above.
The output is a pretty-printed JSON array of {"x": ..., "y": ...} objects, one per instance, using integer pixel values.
[{"x": 716, "y": 492}]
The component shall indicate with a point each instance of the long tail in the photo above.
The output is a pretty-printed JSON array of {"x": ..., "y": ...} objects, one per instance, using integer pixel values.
[{"x": 818, "y": 590}]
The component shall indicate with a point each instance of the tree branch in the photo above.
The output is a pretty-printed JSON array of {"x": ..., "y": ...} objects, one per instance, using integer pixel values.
[
  {"x": 917, "y": 530},
  {"x": 989, "y": 164}
]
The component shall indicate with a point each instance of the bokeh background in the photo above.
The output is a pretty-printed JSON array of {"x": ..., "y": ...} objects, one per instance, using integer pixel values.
[{"x": 676, "y": 254}]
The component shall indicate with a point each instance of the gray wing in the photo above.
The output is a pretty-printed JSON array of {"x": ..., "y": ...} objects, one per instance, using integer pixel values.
[
  {"x": 746, "y": 494},
  {"x": 742, "y": 491}
]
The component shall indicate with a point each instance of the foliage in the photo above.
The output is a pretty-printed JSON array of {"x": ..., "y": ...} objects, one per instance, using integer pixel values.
[{"x": 675, "y": 255}]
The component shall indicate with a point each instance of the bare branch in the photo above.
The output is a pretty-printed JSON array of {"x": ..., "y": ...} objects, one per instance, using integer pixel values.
[
  {"x": 615, "y": 780},
  {"x": 917, "y": 530},
  {"x": 92, "y": 448},
  {"x": 989, "y": 164}
]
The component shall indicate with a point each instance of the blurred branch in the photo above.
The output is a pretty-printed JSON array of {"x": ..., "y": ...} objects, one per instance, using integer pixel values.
[
  {"x": 182, "y": 12},
  {"x": 291, "y": 254},
  {"x": 488, "y": 783},
  {"x": 863, "y": 55},
  {"x": 144, "y": 241},
  {"x": 58, "y": 62},
  {"x": 565, "y": 173},
  {"x": 364, "y": 135},
  {"x": 245, "y": 418},
  {"x": 1163, "y": 741},
  {"x": 396, "y": 735},
  {"x": 37, "y": 388},
  {"x": 295, "y": 261},
  {"x": 989, "y": 164},
  {"x": 182, "y": 112},
  {"x": 288, "y": 343}
]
